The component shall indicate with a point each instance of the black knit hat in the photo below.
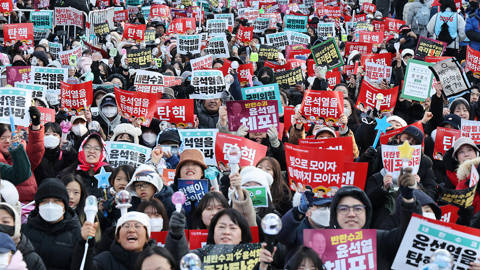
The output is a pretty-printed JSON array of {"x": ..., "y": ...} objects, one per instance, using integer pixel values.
[
  {"x": 52, "y": 188},
  {"x": 415, "y": 132},
  {"x": 170, "y": 135}
]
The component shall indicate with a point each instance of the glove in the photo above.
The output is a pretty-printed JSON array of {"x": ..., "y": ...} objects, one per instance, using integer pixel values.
[
  {"x": 34, "y": 115},
  {"x": 405, "y": 181},
  {"x": 242, "y": 131},
  {"x": 307, "y": 197},
  {"x": 177, "y": 223},
  {"x": 370, "y": 152},
  {"x": 272, "y": 134}
]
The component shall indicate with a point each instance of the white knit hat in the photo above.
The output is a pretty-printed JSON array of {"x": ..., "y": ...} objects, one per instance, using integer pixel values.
[
  {"x": 129, "y": 129},
  {"x": 8, "y": 192},
  {"x": 145, "y": 173},
  {"x": 254, "y": 174},
  {"x": 134, "y": 216},
  {"x": 397, "y": 119}
]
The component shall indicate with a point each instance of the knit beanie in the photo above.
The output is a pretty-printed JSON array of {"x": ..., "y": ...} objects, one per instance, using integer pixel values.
[{"x": 52, "y": 188}]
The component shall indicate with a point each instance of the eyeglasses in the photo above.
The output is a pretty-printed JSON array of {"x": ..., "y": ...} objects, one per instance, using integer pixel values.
[
  {"x": 92, "y": 148},
  {"x": 345, "y": 209},
  {"x": 127, "y": 226},
  {"x": 141, "y": 185},
  {"x": 5, "y": 138}
]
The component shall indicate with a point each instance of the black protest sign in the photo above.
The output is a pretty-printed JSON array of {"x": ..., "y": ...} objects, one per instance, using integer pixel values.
[
  {"x": 462, "y": 198},
  {"x": 241, "y": 256},
  {"x": 139, "y": 58},
  {"x": 429, "y": 47},
  {"x": 327, "y": 54},
  {"x": 289, "y": 77},
  {"x": 101, "y": 29},
  {"x": 267, "y": 53},
  {"x": 452, "y": 77}
]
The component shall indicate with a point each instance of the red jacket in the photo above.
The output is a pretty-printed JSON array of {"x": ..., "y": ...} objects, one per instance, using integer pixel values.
[{"x": 35, "y": 150}]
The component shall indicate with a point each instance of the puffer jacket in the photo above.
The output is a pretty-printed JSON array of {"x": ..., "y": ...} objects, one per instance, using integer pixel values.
[
  {"x": 472, "y": 29},
  {"x": 35, "y": 150},
  {"x": 31, "y": 258}
]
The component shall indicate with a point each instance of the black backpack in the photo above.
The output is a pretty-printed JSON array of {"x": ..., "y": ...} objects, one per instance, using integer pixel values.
[{"x": 444, "y": 34}]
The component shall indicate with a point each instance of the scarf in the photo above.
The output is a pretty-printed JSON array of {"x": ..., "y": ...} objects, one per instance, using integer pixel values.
[{"x": 83, "y": 164}]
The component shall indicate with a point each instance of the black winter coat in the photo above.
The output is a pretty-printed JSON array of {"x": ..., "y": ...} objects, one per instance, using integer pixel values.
[
  {"x": 206, "y": 119},
  {"x": 53, "y": 242},
  {"x": 31, "y": 258},
  {"x": 53, "y": 161}
]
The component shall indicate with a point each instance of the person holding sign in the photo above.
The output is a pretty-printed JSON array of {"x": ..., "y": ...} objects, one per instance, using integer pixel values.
[
  {"x": 467, "y": 154},
  {"x": 281, "y": 194}
]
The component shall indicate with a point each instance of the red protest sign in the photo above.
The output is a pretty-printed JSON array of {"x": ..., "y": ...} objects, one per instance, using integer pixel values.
[
  {"x": 378, "y": 26},
  {"x": 258, "y": 116},
  {"x": 344, "y": 247},
  {"x": 120, "y": 16},
  {"x": 18, "y": 74},
  {"x": 471, "y": 129},
  {"x": 160, "y": 11},
  {"x": 76, "y": 96},
  {"x": 472, "y": 61},
  {"x": 444, "y": 140},
  {"x": 384, "y": 59},
  {"x": 435, "y": 59},
  {"x": 160, "y": 237},
  {"x": 245, "y": 34},
  {"x": 18, "y": 32},
  {"x": 392, "y": 25},
  {"x": 362, "y": 47},
  {"x": 333, "y": 78},
  {"x": 371, "y": 97},
  {"x": 370, "y": 37},
  {"x": 181, "y": 25},
  {"x": 135, "y": 32},
  {"x": 322, "y": 105},
  {"x": 329, "y": 11},
  {"x": 177, "y": 111},
  {"x": 384, "y": 138},
  {"x": 245, "y": 73},
  {"x": 308, "y": 166},
  {"x": 251, "y": 151},
  {"x": 344, "y": 144},
  {"x": 6, "y": 6},
  {"x": 369, "y": 7},
  {"x": 135, "y": 105},
  {"x": 449, "y": 213},
  {"x": 47, "y": 115}
]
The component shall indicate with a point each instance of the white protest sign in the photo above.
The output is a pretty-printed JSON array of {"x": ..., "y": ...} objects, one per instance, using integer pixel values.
[
  {"x": 201, "y": 139},
  {"x": 15, "y": 101},
  {"x": 392, "y": 162},
  {"x": 124, "y": 153}
]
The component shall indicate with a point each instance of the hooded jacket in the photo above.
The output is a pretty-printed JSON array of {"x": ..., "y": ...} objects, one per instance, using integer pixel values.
[
  {"x": 389, "y": 241},
  {"x": 472, "y": 29},
  {"x": 107, "y": 125}
]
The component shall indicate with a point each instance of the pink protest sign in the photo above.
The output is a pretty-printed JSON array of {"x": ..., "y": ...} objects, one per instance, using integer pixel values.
[
  {"x": 257, "y": 115},
  {"x": 344, "y": 249}
]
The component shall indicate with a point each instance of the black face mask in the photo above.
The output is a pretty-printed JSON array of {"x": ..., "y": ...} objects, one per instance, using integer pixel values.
[{"x": 10, "y": 230}]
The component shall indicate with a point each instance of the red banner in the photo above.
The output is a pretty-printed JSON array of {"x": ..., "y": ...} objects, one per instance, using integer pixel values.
[
  {"x": 245, "y": 73},
  {"x": 369, "y": 7},
  {"x": 120, "y": 16},
  {"x": 369, "y": 98},
  {"x": 308, "y": 166},
  {"x": 198, "y": 238},
  {"x": 472, "y": 61},
  {"x": 251, "y": 151},
  {"x": 47, "y": 115},
  {"x": 18, "y": 32},
  {"x": 177, "y": 111},
  {"x": 135, "y": 32},
  {"x": 378, "y": 26},
  {"x": 322, "y": 105},
  {"x": 435, "y": 59},
  {"x": 449, "y": 213},
  {"x": 181, "y": 25},
  {"x": 392, "y": 25},
  {"x": 362, "y": 47},
  {"x": 344, "y": 144},
  {"x": 384, "y": 138},
  {"x": 329, "y": 11},
  {"x": 160, "y": 11},
  {"x": 6, "y": 6},
  {"x": 136, "y": 105},
  {"x": 370, "y": 37},
  {"x": 333, "y": 78},
  {"x": 384, "y": 59},
  {"x": 76, "y": 96},
  {"x": 291, "y": 64},
  {"x": 245, "y": 34},
  {"x": 444, "y": 140}
]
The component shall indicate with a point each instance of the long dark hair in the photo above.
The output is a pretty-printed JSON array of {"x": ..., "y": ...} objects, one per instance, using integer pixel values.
[
  {"x": 197, "y": 222},
  {"x": 127, "y": 169},
  {"x": 3, "y": 128},
  {"x": 160, "y": 251},
  {"x": 55, "y": 127},
  {"x": 444, "y": 4},
  {"x": 304, "y": 253},
  {"x": 72, "y": 177},
  {"x": 280, "y": 190},
  {"x": 159, "y": 207},
  {"x": 236, "y": 218}
]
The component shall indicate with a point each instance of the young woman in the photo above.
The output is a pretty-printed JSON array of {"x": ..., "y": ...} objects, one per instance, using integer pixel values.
[
  {"x": 305, "y": 258},
  {"x": 281, "y": 194},
  {"x": 157, "y": 214},
  {"x": 208, "y": 207},
  {"x": 155, "y": 257}
]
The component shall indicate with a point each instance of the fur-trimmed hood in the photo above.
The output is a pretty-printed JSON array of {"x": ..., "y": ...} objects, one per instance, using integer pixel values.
[{"x": 464, "y": 169}]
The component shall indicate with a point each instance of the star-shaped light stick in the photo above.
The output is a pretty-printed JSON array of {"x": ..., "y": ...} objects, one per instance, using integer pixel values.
[
  {"x": 102, "y": 178},
  {"x": 406, "y": 152},
  {"x": 381, "y": 126}
]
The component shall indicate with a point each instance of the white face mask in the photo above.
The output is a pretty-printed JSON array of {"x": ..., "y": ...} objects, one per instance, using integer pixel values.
[
  {"x": 156, "y": 224},
  {"x": 429, "y": 215},
  {"x": 51, "y": 141},
  {"x": 347, "y": 111},
  {"x": 51, "y": 212},
  {"x": 321, "y": 216},
  {"x": 109, "y": 111},
  {"x": 4, "y": 260},
  {"x": 149, "y": 138},
  {"x": 79, "y": 130}
]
